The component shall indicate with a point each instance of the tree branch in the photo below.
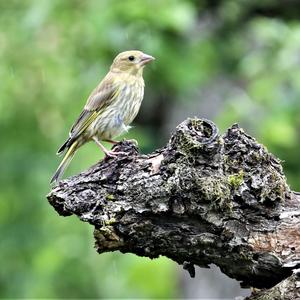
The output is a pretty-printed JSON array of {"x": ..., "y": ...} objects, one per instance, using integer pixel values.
[{"x": 202, "y": 199}]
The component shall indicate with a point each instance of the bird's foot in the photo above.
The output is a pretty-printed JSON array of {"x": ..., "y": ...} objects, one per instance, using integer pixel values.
[
  {"x": 108, "y": 153},
  {"x": 112, "y": 153}
]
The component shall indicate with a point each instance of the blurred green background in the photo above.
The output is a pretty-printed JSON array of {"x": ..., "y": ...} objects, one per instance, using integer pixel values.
[{"x": 230, "y": 61}]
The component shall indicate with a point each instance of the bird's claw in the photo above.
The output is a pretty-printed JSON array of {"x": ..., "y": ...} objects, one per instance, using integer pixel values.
[{"x": 115, "y": 154}]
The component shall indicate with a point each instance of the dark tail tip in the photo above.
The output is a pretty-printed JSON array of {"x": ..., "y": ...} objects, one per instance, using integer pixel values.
[
  {"x": 55, "y": 177},
  {"x": 65, "y": 162},
  {"x": 58, "y": 173}
]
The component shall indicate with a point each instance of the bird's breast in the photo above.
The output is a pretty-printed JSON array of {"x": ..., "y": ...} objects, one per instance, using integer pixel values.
[{"x": 130, "y": 99}]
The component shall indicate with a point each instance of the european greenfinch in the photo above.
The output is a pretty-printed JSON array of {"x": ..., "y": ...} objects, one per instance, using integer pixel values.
[{"x": 109, "y": 109}]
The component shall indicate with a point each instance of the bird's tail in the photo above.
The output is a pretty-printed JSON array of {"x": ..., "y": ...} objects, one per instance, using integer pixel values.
[{"x": 65, "y": 162}]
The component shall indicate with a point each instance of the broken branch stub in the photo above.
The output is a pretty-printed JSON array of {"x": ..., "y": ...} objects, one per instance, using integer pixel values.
[{"x": 201, "y": 199}]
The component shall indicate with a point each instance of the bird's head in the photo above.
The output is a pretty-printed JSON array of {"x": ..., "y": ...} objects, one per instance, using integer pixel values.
[{"x": 131, "y": 62}]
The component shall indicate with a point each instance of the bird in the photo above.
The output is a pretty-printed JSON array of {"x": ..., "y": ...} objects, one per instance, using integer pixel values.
[{"x": 110, "y": 108}]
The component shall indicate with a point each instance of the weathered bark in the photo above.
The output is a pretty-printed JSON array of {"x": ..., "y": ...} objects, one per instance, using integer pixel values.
[
  {"x": 288, "y": 289},
  {"x": 202, "y": 199}
]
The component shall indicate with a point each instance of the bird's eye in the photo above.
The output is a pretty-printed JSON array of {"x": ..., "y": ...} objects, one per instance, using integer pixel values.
[{"x": 131, "y": 58}]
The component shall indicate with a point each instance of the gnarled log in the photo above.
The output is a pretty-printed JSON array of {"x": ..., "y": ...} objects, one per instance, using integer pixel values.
[{"x": 203, "y": 198}]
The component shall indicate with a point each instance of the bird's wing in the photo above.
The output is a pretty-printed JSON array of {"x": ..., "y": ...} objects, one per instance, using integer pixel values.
[{"x": 99, "y": 99}]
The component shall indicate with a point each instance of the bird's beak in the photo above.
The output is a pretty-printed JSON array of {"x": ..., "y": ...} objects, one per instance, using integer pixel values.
[{"x": 145, "y": 59}]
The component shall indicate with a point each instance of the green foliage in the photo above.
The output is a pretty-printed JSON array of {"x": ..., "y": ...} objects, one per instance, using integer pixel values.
[{"x": 54, "y": 52}]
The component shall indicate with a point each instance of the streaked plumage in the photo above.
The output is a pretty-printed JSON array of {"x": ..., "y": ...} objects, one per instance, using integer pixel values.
[{"x": 110, "y": 108}]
